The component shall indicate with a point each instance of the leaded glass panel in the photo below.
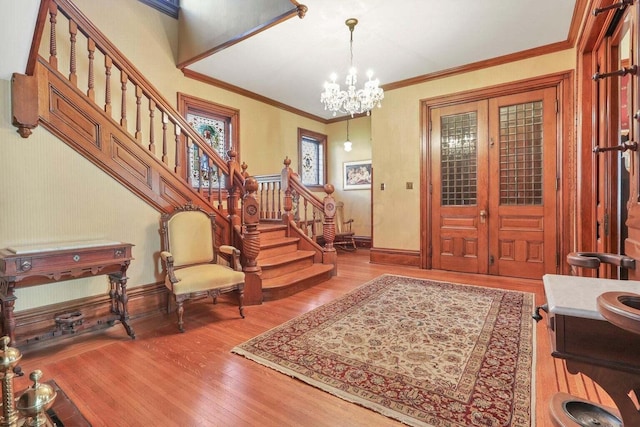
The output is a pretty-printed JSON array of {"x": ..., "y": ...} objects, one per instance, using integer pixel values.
[
  {"x": 521, "y": 154},
  {"x": 213, "y": 131},
  {"x": 312, "y": 162},
  {"x": 458, "y": 163}
]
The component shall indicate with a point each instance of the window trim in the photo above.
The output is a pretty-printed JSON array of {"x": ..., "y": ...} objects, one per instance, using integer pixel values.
[
  {"x": 191, "y": 105},
  {"x": 322, "y": 142}
]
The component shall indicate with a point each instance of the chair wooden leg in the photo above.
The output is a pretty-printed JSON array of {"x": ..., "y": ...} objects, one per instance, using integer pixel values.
[
  {"x": 241, "y": 302},
  {"x": 180, "y": 312}
]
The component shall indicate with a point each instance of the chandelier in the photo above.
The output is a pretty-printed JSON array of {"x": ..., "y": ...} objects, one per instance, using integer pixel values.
[{"x": 352, "y": 100}]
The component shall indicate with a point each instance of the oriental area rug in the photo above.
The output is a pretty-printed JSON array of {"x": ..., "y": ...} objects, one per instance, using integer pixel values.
[{"x": 423, "y": 352}]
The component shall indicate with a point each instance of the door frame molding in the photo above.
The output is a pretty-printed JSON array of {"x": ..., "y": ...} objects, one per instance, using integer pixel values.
[{"x": 566, "y": 154}]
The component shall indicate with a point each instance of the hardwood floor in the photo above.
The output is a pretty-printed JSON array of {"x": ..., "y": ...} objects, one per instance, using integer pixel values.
[{"x": 165, "y": 378}]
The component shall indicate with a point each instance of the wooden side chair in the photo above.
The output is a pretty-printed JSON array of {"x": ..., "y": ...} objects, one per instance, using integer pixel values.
[
  {"x": 190, "y": 259},
  {"x": 344, "y": 235}
]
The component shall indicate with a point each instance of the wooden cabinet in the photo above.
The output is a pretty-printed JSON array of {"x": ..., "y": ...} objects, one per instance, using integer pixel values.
[{"x": 588, "y": 343}]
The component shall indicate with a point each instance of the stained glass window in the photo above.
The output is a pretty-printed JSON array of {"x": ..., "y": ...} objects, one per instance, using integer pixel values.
[
  {"x": 214, "y": 132},
  {"x": 312, "y": 148}
]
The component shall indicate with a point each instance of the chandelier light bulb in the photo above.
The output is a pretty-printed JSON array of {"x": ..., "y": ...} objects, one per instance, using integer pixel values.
[{"x": 352, "y": 100}]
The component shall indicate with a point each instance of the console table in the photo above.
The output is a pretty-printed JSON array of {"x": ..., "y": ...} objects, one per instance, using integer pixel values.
[{"x": 22, "y": 266}]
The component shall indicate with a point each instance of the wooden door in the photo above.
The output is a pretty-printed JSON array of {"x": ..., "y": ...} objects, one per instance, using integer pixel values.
[
  {"x": 522, "y": 201},
  {"x": 459, "y": 187},
  {"x": 494, "y": 181}
]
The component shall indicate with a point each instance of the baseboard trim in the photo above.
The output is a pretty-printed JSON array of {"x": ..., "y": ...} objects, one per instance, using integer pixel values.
[
  {"x": 144, "y": 301},
  {"x": 363, "y": 241},
  {"x": 394, "y": 256}
]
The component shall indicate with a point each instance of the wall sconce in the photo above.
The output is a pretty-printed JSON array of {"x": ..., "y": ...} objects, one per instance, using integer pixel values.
[{"x": 347, "y": 143}]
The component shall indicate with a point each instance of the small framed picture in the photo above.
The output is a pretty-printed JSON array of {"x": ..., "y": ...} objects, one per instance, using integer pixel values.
[{"x": 357, "y": 175}]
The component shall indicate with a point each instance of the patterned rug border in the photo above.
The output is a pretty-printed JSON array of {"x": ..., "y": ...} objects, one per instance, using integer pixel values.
[{"x": 350, "y": 397}]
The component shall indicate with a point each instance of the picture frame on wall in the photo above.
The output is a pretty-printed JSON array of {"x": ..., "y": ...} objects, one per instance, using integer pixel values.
[{"x": 357, "y": 175}]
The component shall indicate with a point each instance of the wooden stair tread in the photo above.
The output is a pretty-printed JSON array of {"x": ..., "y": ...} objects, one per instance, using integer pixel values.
[
  {"x": 272, "y": 243},
  {"x": 285, "y": 258},
  {"x": 271, "y": 227},
  {"x": 292, "y": 278}
]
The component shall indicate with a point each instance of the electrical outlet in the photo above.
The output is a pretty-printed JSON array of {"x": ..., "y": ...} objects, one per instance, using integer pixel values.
[{"x": 383, "y": 186}]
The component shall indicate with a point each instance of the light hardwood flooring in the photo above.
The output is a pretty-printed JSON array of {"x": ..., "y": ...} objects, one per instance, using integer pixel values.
[{"x": 165, "y": 378}]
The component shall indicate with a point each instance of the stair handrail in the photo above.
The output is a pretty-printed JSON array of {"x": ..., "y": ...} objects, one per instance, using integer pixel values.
[
  {"x": 97, "y": 40},
  {"x": 240, "y": 188},
  {"x": 291, "y": 183}
]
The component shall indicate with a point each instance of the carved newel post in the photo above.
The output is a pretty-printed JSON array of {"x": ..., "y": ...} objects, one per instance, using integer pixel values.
[
  {"x": 329, "y": 226},
  {"x": 232, "y": 190},
  {"x": 10, "y": 357},
  {"x": 288, "y": 200},
  {"x": 329, "y": 229},
  {"x": 251, "y": 243}
]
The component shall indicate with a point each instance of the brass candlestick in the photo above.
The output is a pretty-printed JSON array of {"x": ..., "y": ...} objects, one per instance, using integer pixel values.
[
  {"x": 34, "y": 402},
  {"x": 9, "y": 358}
]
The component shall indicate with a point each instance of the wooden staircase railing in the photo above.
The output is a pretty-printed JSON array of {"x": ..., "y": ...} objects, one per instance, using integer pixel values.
[
  {"x": 104, "y": 108},
  {"x": 283, "y": 198}
]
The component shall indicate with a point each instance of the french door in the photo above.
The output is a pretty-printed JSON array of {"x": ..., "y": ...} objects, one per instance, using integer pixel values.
[{"x": 493, "y": 185}]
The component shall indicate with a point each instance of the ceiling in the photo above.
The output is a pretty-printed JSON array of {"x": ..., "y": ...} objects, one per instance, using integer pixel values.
[
  {"x": 398, "y": 40},
  {"x": 289, "y": 62}
]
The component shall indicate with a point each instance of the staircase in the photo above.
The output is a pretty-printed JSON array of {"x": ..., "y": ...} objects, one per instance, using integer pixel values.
[
  {"x": 286, "y": 269},
  {"x": 147, "y": 153}
]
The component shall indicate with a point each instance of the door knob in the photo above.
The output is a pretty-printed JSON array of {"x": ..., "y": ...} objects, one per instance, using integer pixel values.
[{"x": 483, "y": 216}]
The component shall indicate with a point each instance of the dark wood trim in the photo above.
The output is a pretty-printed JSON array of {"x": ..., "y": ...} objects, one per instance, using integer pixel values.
[
  {"x": 525, "y": 54},
  {"x": 252, "y": 32},
  {"x": 395, "y": 257},
  {"x": 362, "y": 241},
  {"x": 144, "y": 301},
  {"x": 252, "y": 95},
  {"x": 576, "y": 21},
  {"x": 191, "y": 104}
]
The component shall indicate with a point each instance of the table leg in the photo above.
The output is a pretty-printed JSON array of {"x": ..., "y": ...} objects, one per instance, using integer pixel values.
[
  {"x": 119, "y": 300},
  {"x": 8, "y": 300}
]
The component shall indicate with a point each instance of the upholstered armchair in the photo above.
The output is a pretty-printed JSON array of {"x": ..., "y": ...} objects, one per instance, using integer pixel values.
[{"x": 191, "y": 262}]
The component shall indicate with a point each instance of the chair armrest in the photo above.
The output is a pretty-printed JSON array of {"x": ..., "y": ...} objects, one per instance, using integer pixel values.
[
  {"x": 230, "y": 250},
  {"x": 167, "y": 259}
]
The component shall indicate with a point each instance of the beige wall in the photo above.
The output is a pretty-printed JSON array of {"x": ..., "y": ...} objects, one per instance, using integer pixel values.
[
  {"x": 50, "y": 193},
  {"x": 357, "y": 203},
  {"x": 396, "y": 143}
]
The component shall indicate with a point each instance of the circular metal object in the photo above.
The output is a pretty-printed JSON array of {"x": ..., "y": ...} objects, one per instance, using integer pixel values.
[{"x": 589, "y": 415}]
